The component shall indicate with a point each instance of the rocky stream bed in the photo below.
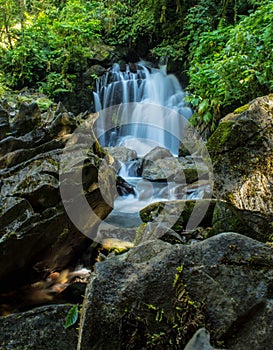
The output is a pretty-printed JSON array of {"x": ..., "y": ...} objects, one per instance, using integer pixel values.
[{"x": 157, "y": 289}]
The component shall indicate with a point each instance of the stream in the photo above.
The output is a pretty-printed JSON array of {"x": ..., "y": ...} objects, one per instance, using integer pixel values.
[{"x": 141, "y": 110}]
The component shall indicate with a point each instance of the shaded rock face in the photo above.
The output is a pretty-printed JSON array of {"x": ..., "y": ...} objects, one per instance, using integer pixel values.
[
  {"x": 227, "y": 217},
  {"x": 41, "y": 328},
  {"x": 228, "y": 277},
  {"x": 186, "y": 218},
  {"x": 37, "y": 236},
  {"x": 241, "y": 150},
  {"x": 160, "y": 165},
  {"x": 27, "y": 118},
  {"x": 4, "y": 123}
]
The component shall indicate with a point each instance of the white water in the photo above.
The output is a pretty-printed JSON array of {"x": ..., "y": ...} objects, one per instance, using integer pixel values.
[{"x": 140, "y": 110}]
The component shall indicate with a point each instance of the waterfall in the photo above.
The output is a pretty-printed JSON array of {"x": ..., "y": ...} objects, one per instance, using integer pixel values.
[{"x": 140, "y": 109}]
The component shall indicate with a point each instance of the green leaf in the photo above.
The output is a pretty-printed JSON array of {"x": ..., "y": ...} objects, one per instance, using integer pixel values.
[
  {"x": 207, "y": 117},
  {"x": 72, "y": 316},
  {"x": 203, "y": 106}
]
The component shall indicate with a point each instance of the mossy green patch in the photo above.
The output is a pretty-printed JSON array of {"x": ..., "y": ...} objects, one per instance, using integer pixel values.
[
  {"x": 241, "y": 109},
  {"x": 220, "y": 138}
]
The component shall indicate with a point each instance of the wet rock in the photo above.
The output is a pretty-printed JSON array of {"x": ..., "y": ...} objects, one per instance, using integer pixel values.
[
  {"x": 4, "y": 123},
  {"x": 161, "y": 169},
  {"x": 11, "y": 143},
  {"x": 192, "y": 172},
  {"x": 11, "y": 159},
  {"x": 180, "y": 170},
  {"x": 41, "y": 328},
  {"x": 124, "y": 188},
  {"x": 37, "y": 182},
  {"x": 27, "y": 118},
  {"x": 180, "y": 215},
  {"x": 34, "y": 245},
  {"x": 197, "y": 189},
  {"x": 122, "y": 154},
  {"x": 37, "y": 235},
  {"x": 155, "y": 154},
  {"x": 229, "y": 274},
  {"x": 64, "y": 123},
  {"x": 94, "y": 71},
  {"x": 152, "y": 230},
  {"x": 13, "y": 210},
  {"x": 243, "y": 165}
]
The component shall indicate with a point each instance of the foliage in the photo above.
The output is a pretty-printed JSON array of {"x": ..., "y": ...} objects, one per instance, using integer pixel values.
[
  {"x": 52, "y": 47},
  {"x": 125, "y": 22},
  {"x": 232, "y": 65},
  {"x": 225, "y": 49}
]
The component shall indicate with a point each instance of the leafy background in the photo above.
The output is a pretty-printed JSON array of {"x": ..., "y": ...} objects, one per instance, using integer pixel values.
[{"x": 223, "y": 51}]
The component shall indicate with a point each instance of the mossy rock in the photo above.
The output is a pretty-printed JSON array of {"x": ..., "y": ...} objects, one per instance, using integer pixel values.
[
  {"x": 241, "y": 109},
  {"x": 227, "y": 218},
  {"x": 177, "y": 215},
  {"x": 242, "y": 155}
]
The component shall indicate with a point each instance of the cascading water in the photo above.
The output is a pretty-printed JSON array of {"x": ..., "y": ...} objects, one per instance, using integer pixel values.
[
  {"x": 139, "y": 123},
  {"x": 140, "y": 110}
]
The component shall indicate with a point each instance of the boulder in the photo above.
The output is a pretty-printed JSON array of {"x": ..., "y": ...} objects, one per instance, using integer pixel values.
[
  {"x": 124, "y": 158},
  {"x": 41, "y": 328},
  {"x": 241, "y": 150},
  {"x": 145, "y": 296},
  {"x": 179, "y": 170},
  {"x": 160, "y": 165},
  {"x": 92, "y": 72},
  {"x": 161, "y": 169},
  {"x": 178, "y": 215},
  {"x": 122, "y": 154},
  {"x": 155, "y": 154},
  {"x": 250, "y": 223},
  {"x": 200, "y": 341}
]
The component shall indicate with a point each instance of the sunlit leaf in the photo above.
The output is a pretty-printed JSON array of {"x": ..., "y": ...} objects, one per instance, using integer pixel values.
[{"x": 203, "y": 106}]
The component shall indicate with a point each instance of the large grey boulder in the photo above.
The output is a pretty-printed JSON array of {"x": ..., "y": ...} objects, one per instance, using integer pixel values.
[
  {"x": 241, "y": 150},
  {"x": 142, "y": 297}
]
